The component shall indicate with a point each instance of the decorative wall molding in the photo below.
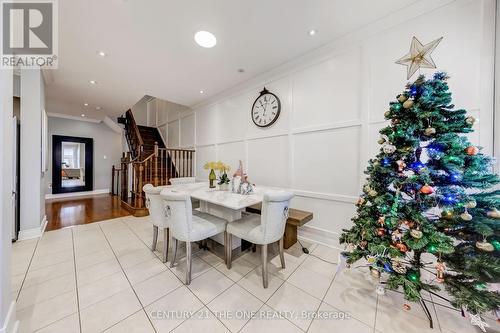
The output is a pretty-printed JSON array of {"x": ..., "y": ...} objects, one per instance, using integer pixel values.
[
  {"x": 67, "y": 116},
  {"x": 76, "y": 194},
  {"x": 320, "y": 236},
  {"x": 33, "y": 232},
  {"x": 327, "y": 127}
]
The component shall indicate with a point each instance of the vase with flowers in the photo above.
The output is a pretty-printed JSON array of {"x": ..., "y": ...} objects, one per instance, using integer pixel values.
[{"x": 223, "y": 179}]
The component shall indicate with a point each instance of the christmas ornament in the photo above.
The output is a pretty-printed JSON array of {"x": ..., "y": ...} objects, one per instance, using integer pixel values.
[
  {"x": 494, "y": 213},
  {"x": 396, "y": 236},
  {"x": 394, "y": 121},
  {"x": 407, "y": 307},
  {"x": 375, "y": 273},
  {"x": 402, "y": 98},
  {"x": 417, "y": 166},
  {"x": 413, "y": 276},
  {"x": 416, "y": 233},
  {"x": 471, "y": 150},
  {"x": 381, "y": 220},
  {"x": 363, "y": 244},
  {"x": 389, "y": 149},
  {"x": 426, "y": 189},
  {"x": 485, "y": 246},
  {"x": 419, "y": 56},
  {"x": 398, "y": 267},
  {"x": 371, "y": 259},
  {"x": 380, "y": 290},
  {"x": 470, "y": 120},
  {"x": 407, "y": 224},
  {"x": 466, "y": 216},
  {"x": 447, "y": 214},
  {"x": 496, "y": 244},
  {"x": 432, "y": 248},
  {"x": 408, "y": 104},
  {"x": 440, "y": 268},
  {"x": 475, "y": 319},
  {"x": 430, "y": 131},
  {"x": 380, "y": 232},
  {"x": 360, "y": 202},
  {"x": 401, "y": 165},
  {"x": 387, "y": 114},
  {"x": 470, "y": 204},
  {"x": 402, "y": 247}
]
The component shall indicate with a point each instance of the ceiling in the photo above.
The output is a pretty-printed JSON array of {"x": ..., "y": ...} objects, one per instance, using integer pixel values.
[{"x": 151, "y": 51}]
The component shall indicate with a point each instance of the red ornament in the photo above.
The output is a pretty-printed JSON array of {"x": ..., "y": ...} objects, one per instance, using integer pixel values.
[
  {"x": 402, "y": 247},
  {"x": 471, "y": 150},
  {"x": 380, "y": 232},
  {"x": 426, "y": 189}
]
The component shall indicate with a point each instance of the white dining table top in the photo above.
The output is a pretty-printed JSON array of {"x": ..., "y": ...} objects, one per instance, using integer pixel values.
[{"x": 227, "y": 199}]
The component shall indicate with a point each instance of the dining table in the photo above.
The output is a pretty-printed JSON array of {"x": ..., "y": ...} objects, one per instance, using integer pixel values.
[{"x": 224, "y": 204}]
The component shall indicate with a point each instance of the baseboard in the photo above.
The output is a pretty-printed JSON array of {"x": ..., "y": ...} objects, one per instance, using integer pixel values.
[
  {"x": 76, "y": 194},
  {"x": 11, "y": 324},
  {"x": 33, "y": 232},
  {"x": 320, "y": 236}
]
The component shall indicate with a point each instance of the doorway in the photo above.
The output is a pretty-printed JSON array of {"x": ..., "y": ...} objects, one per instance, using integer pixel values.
[{"x": 72, "y": 164}]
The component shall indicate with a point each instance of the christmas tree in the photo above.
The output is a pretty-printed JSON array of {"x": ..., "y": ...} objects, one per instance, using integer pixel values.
[{"x": 430, "y": 193}]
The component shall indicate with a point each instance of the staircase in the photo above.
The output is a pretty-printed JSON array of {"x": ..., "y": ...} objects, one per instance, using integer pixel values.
[{"x": 147, "y": 162}]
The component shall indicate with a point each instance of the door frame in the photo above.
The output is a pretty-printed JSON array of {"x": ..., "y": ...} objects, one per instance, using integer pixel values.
[{"x": 57, "y": 141}]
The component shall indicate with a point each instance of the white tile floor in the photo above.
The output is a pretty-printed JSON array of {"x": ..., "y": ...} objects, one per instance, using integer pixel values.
[{"x": 103, "y": 277}]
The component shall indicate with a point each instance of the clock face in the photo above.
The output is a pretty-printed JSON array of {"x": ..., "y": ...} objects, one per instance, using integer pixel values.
[{"x": 266, "y": 109}]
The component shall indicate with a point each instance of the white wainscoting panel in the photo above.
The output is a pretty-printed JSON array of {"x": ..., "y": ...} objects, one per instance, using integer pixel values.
[
  {"x": 203, "y": 155},
  {"x": 206, "y": 125},
  {"x": 268, "y": 162},
  {"x": 231, "y": 153},
  {"x": 187, "y": 131},
  {"x": 173, "y": 134}
]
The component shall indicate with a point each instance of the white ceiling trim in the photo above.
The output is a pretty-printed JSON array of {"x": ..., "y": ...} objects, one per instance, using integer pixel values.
[{"x": 67, "y": 116}]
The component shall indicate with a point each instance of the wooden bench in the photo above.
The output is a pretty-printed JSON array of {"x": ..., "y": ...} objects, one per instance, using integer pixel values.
[{"x": 296, "y": 218}]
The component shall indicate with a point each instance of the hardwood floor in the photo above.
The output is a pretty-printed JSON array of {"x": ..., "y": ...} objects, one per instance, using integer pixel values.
[{"x": 67, "y": 212}]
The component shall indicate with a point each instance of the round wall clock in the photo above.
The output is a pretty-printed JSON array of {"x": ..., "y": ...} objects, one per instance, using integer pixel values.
[{"x": 266, "y": 109}]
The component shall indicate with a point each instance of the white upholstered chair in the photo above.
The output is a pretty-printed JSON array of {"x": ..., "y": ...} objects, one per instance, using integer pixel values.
[
  {"x": 182, "y": 180},
  {"x": 186, "y": 227},
  {"x": 156, "y": 207},
  {"x": 263, "y": 229}
]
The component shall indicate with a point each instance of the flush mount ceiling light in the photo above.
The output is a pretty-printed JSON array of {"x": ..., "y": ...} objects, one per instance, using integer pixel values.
[
  {"x": 312, "y": 32},
  {"x": 202, "y": 92},
  {"x": 102, "y": 53},
  {"x": 205, "y": 39},
  {"x": 83, "y": 115},
  {"x": 85, "y": 104},
  {"x": 98, "y": 108},
  {"x": 93, "y": 82}
]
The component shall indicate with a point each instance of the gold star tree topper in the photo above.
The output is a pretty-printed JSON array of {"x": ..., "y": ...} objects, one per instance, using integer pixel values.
[{"x": 419, "y": 56}]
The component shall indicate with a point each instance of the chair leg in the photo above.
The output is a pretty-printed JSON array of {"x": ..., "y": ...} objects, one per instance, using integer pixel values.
[
  {"x": 176, "y": 243},
  {"x": 225, "y": 247},
  {"x": 188, "y": 262},
  {"x": 282, "y": 252},
  {"x": 155, "y": 238},
  {"x": 166, "y": 241},
  {"x": 264, "y": 265},
  {"x": 229, "y": 249}
]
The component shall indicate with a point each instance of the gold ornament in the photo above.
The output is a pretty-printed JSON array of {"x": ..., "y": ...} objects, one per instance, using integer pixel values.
[
  {"x": 387, "y": 114},
  {"x": 408, "y": 104},
  {"x": 430, "y": 131},
  {"x": 389, "y": 149},
  {"x": 440, "y": 272},
  {"x": 402, "y": 98},
  {"x": 485, "y": 246},
  {"x": 381, "y": 220},
  {"x": 371, "y": 259},
  {"x": 416, "y": 233},
  {"x": 375, "y": 273},
  {"x": 419, "y": 56},
  {"x": 398, "y": 267},
  {"x": 372, "y": 193},
  {"x": 466, "y": 216},
  {"x": 494, "y": 213},
  {"x": 470, "y": 120}
]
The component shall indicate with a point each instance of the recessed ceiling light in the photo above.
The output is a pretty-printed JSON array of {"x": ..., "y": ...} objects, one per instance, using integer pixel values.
[
  {"x": 102, "y": 53},
  {"x": 98, "y": 108},
  {"x": 93, "y": 82},
  {"x": 205, "y": 39},
  {"x": 312, "y": 32},
  {"x": 83, "y": 114},
  {"x": 241, "y": 70},
  {"x": 202, "y": 92},
  {"x": 85, "y": 104}
]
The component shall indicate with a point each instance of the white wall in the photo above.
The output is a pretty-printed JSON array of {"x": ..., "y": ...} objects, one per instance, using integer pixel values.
[
  {"x": 32, "y": 182},
  {"x": 107, "y": 147},
  {"x": 333, "y": 101},
  {"x": 7, "y": 304}
]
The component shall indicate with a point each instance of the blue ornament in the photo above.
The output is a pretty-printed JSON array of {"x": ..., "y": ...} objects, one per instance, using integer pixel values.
[
  {"x": 386, "y": 162},
  {"x": 387, "y": 267},
  {"x": 435, "y": 148},
  {"x": 417, "y": 166},
  {"x": 413, "y": 91}
]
